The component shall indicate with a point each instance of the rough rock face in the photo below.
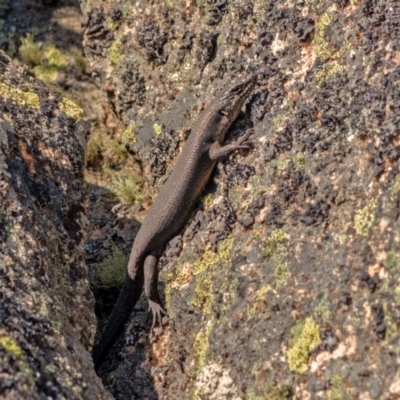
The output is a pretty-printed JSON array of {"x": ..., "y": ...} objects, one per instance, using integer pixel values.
[
  {"x": 46, "y": 306},
  {"x": 285, "y": 283}
]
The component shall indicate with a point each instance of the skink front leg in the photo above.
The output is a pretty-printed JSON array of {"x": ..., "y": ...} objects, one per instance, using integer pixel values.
[{"x": 218, "y": 152}]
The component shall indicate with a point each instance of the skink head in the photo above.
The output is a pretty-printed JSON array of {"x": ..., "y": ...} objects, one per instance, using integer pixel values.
[{"x": 233, "y": 96}]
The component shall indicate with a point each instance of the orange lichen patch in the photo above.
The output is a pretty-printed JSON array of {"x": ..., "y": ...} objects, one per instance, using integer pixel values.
[
  {"x": 54, "y": 154},
  {"x": 29, "y": 160},
  {"x": 158, "y": 354}
]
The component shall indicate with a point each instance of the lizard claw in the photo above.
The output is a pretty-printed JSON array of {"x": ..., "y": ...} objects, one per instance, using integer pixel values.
[
  {"x": 242, "y": 141},
  {"x": 157, "y": 311}
]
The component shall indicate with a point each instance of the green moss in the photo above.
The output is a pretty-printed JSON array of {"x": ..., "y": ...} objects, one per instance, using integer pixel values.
[
  {"x": 54, "y": 56},
  {"x": 46, "y": 60},
  {"x": 94, "y": 146},
  {"x": 157, "y": 129},
  {"x": 30, "y": 51},
  {"x": 129, "y": 135},
  {"x": 112, "y": 270},
  {"x": 200, "y": 347},
  {"x": 365, "y": 217},
  {"x": 114, "y": 151},
  {"x": 338, "y": 390},
  {"x": 79, "y": 58},
  {"x": 11, "y": 347},
  {"x": 28, "y": 99},
  {"x": 305, "y": 339},
  {"x": 115, "y": 51},
  {"x": 71, "y": 109},
  {"x": 392, "y": 262},
  {"x": 126, "y": 187}
]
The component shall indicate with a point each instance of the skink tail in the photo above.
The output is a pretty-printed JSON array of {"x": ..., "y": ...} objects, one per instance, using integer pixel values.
[{"x": 128, "y": 297}]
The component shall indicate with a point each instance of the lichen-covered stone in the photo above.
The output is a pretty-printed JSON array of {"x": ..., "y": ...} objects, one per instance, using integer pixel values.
[
  {"x": 307, "y": 303},
  {"x": 47, "y": 320}
]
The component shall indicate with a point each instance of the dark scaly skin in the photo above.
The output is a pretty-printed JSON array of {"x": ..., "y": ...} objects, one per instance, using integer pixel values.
[{"x": 171, "y": 209}]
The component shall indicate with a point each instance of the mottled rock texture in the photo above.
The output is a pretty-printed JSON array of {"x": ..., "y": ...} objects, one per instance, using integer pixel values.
[
  {"x": 47, "y": 322},
  {"x": 286, "y": 282}
]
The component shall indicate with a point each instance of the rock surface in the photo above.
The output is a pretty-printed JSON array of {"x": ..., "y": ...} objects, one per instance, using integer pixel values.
[
  {"x": 46, "y": 305},
  {"x": 285, "y": 283}
]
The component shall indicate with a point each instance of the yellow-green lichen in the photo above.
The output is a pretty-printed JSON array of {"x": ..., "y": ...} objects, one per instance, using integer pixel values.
[
  {"x": 259, "y": 301},
  {"x": 157, "y": 129},
  {"x": 322, "y": 312},
  {"x": 207, "y": 200},
  {"x": 280, "y": 165},
  {"x": 225, "y": 249},
  {"x": 327, "y": 71},
  {"x": 325, "y": 51},
  {"x": 283, "y": 391},
  {"x": 71, "y": 109},
  {"x": 305, "y": 339},
  {"x": 276, "y": 249},
  {"x": 281, "y": 273},
  {"x": 177, "y": 278},
  {"x": 365, "y": 217},
  {"x": 275, "y": 242},
  {"x": 14, "y": 350},
  {"x": 203, "y": 293},
  {"x": 126, "y": 186},
  {"x": 394, "y": 189},
  {"x": 392, "y": 329},
  {"x": 200, "y": 347},
  {"x": 113, "y": 269},
  {"x": 115, "y": 51},
  {"x": 129, "y": 135},
  {"x": 338, "y": 390},
  {"x": 7, "y": 118},
  {"x": 11, "y": 347},
  {"x": 279, "y": 121},
  {"x": 28, "y": 99},
  {"x": 300, "y": 161},
  {"x": 321, "y": 45}
]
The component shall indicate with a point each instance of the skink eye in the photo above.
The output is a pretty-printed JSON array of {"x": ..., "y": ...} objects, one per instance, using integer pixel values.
[{"x": 236, "y": 90}]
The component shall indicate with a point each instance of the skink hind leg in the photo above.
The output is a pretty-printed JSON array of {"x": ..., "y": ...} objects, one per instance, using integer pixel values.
[
  {"x": 150, "y": 287},
  {"x": 218, "y": 152}
]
